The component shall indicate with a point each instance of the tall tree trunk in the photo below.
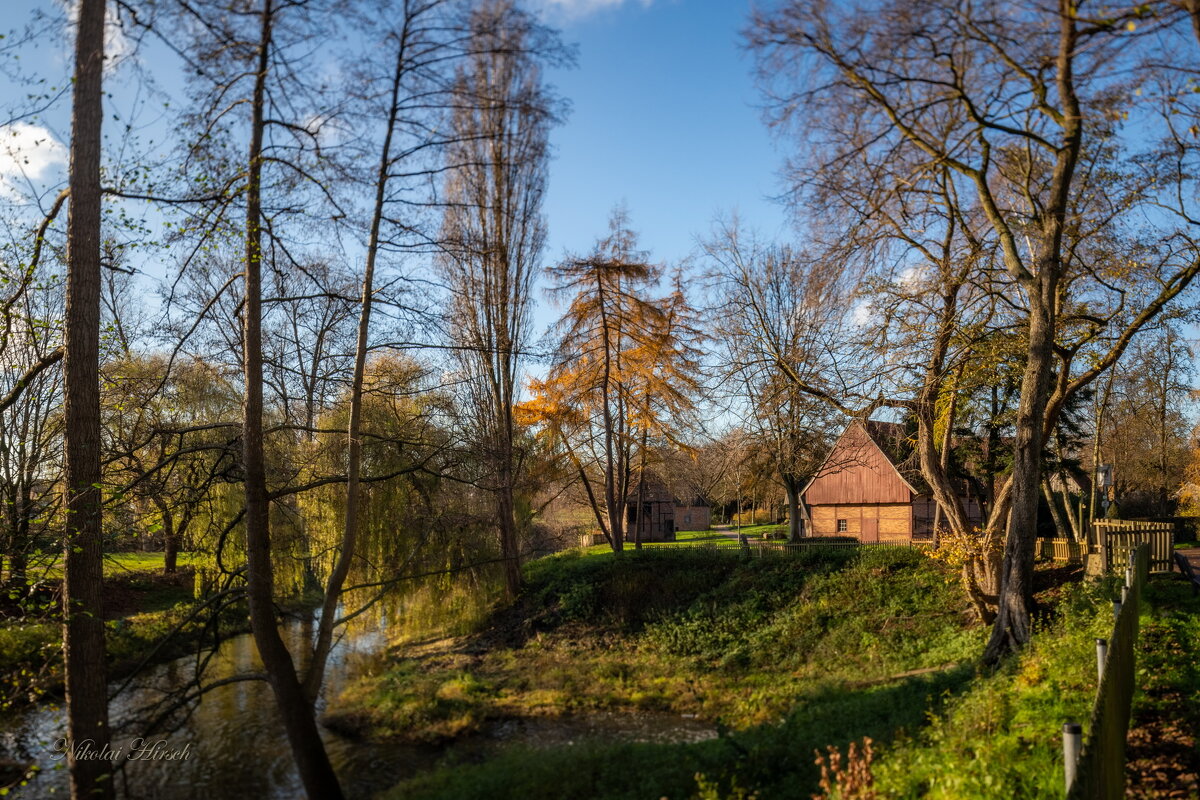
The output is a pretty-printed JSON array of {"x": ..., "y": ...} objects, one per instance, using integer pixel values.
[
  {"x": 510, "y": 550},
  {"x": 616, "y": 519},
  {"x": 83, "y": 627},
  {"x": 1012, "y": 627},
  {"x": 170, "y": 536},
  {"x": 170, "y": 544},
  {"x": 641, "y": 501},
  {"x": 316, "y": 773},
  {"x": 18, "y": 562},
  {"x": 341, "y": 569},
  {"x": 1060, "y": 522},
  {"x": 791, "y": 487}
]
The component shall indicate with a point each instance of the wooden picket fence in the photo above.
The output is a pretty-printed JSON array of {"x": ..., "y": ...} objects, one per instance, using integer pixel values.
[
  {"x": 1063, "y": 550},
  {"x": 1112, "y": 541},
  {"x": 1094, "y": 765},
  {"x": 1115, "y": 539}
]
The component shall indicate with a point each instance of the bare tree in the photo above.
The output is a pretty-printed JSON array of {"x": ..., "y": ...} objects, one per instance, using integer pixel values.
[
  {"x": 422, "y": 44},
  {"x": 300, "y": 723},
  {"x": 495, "y": 231},
  {"x": 1021, "y": 106},
  {"x": 785, "y": 317}
]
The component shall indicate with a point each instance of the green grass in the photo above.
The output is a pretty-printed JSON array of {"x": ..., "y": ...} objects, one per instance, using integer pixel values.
[
  {"x": 1002, "y": 737},
  {"x": 760, "y": 531},
  {"x": 774, "y": 761},
  {"x": 786, "y": 654},
  {"x": 700, "y": 536},
  {"x": 792, "y": 656},
  {"x": 116, "y": 563},
  {"x": 48, "y": 566}
]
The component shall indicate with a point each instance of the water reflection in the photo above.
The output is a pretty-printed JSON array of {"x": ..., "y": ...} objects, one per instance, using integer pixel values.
[{"x": 235, "y": 742}]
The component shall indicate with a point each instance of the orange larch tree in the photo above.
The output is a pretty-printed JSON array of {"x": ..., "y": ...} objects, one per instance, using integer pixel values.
[{"x": 622, "y": 374}]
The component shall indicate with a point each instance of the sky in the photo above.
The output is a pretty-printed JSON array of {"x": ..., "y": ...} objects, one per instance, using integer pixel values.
[{"x": 663, "y": 120}]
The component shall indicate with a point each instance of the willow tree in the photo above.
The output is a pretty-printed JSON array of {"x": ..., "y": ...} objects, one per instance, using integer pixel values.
[
  {"x": 494, "y": 231},
  {"x": 623, "y": 367}
]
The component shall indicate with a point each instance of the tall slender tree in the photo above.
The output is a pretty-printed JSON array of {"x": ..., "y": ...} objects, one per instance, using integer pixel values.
[
  {"x": 495, "y": 232},
  {"x": 83, "y": 565},
  {"x": 295, "y": 707}
]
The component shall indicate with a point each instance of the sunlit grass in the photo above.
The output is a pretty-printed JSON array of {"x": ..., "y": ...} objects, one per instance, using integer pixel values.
[
  {"x": 48, "y": 566},
  {"x": 791, "y": 656},
  {"x": 789, "y": 653}
]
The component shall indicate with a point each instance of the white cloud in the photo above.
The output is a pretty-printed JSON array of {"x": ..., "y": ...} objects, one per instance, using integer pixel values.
[
  {"x": 572, "y": 10},
  {"x": 28, "y": 154},
  {"x": 912, "y": 276},
  {"x": 862, "y": 312}
]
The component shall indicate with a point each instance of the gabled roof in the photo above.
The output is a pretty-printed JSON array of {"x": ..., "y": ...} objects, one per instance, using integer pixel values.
[
  {"x": 889, "y": 456},
  {"x": 657, "y": 491},
  {"x": 893, "y": 441}
]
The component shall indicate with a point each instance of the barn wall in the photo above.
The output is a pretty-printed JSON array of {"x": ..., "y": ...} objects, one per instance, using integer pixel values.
[
  {"x": 693, "y": 518},
  {"x": 895, "y": 520}
]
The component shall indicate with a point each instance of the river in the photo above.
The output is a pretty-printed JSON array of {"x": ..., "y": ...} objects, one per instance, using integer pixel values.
[{"x": 235, "y": 745}]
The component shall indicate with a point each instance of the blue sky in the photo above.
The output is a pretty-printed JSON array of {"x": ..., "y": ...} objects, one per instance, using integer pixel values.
[{"x": 664, "y": 119}]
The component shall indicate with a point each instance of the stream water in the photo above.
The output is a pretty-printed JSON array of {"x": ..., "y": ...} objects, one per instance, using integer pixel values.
[{"x": 235, "y": 745}]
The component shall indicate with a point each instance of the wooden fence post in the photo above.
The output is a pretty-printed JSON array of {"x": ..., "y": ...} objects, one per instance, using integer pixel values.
[{"x": 1101, "y": 654}]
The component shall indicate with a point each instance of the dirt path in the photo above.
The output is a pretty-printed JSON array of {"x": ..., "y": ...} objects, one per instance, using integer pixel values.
[{"x": 727, "y": 531}]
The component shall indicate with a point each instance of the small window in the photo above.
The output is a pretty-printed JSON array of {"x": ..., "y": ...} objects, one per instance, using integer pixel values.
[{"x": 842, "y": 526}]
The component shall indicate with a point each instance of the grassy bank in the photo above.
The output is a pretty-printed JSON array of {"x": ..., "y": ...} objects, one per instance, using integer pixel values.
[
  {"x": 784, "y": 655},
  {"x": 789, "y": 657},
  {"x": 142, "y": 606}
]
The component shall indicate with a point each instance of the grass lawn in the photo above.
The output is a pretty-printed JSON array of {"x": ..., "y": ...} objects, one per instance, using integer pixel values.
[
  {"x": 701, "y": 536},
  {"x": 785, "y": 655},
  {"x": 760, "y": 531},
  {"x": 696, "y": 537},
  {"x": 48, "y": 566},
  {"x": 788, "y": 656}
]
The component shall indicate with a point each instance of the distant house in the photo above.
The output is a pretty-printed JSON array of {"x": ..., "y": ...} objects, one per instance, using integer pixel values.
[
  {"x": 696, "y": 515},
  {"x": 662, "y": 514},
  {"x": 869, "y": 488}
]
